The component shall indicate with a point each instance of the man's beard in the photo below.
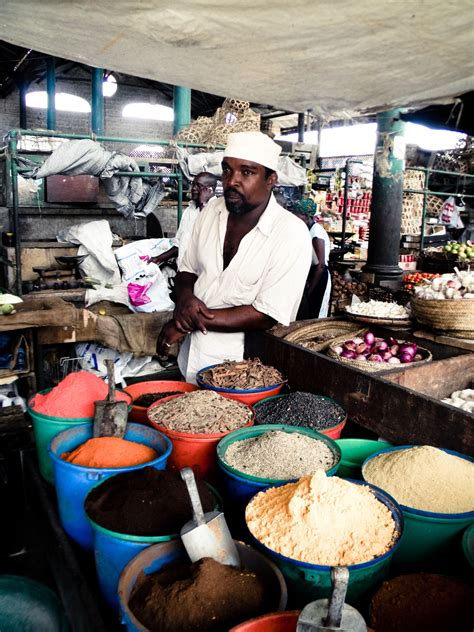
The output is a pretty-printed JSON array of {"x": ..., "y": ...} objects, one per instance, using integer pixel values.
[{"x": 238, "y": 206}]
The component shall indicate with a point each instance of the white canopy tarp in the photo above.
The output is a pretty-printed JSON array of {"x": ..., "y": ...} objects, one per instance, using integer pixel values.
[{"x": 339, "y": 57}]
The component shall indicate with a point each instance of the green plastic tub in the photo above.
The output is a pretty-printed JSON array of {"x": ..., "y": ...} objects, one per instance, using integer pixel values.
[
  {"x": 354, "y": 452},
  {"x": 308, "y": 582},
  {"x": 428, "y": 535},
  {"x": 468, "y": 545},
  {"x": 45, "y": 428}
]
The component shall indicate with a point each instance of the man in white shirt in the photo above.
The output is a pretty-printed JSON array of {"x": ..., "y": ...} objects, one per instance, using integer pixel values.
[
  {"x": 246, "y": 263},
  {"x": 202, "y": 190}
]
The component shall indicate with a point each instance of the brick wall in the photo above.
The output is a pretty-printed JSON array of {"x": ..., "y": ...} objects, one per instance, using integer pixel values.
[{"x": 73, "y": 122}]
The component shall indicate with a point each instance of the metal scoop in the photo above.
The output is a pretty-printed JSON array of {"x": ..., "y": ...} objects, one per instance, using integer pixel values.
[
  {"x": 110, "y": 416},
  {"x": 207, "y": 535},
  {"x": 332, "y": 614}
]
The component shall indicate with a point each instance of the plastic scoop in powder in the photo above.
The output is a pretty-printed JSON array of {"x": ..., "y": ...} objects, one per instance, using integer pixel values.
[{"x": 207, "y": 535}]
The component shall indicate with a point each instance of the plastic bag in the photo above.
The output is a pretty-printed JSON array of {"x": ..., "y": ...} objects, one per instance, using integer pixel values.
[{"x": 450, "y": 214}]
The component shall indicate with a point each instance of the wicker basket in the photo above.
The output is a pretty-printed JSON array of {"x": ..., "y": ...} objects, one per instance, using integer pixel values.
[
  {"x": 454, "y": 317},
  {"x": 319, "y": 335},
  {"x": 377, "y": 367}
]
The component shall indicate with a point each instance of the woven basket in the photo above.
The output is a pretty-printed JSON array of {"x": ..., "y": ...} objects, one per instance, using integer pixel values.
[
  {"x": 455, "y": 317},
  {"x": 377, "y": 367},
  {"x": 307, "y": 335}
]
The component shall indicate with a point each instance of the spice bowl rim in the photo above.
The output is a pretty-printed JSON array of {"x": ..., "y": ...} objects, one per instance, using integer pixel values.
[
  {"x": 382, "y": 496},
  {"x": 258, "y": 430},
  {"x": 237, "y": 391},
  {"x": 421, "y": 512}
]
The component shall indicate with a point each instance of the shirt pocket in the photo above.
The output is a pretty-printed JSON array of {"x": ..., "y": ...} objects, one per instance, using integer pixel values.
[{"x": 241, "y": 289}]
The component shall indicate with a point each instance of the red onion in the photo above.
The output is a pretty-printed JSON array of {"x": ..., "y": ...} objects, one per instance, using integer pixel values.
[
  {"x": 374, "y": 357},
  {"x": 391, "y": 341},
  {"x": 386, "y": 356},
  {"x": 369, "y": 338},
  {"x": 393, "y": 360},
  {"x": 358, "y": 341},
  {"x": 417, "y": 357},
  {"x": 394, "y": 349},
  {"x": 338, "y": 350},
  {"x": 361, "y": 356},
  {"x": 408, "y": 347},
  {"x": 361, "y": 348},
  {"x": 382, "y": 346},
  {"x": 349, "y": 345},
  {"x": 348, "y": 354},
  {"x": 406, "y": 358}
]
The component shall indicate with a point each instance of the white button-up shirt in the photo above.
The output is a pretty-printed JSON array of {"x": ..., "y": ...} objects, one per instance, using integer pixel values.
[
  {"x": 185, "y": 228},
  {"x": 268, "y": 272}
]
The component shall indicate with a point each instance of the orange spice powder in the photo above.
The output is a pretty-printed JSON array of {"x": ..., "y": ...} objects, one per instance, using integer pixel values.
[{"x": 110, "y": 452}]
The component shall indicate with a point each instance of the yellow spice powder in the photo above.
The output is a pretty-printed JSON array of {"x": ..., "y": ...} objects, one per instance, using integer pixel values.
[{"x": 322, "y": 520}]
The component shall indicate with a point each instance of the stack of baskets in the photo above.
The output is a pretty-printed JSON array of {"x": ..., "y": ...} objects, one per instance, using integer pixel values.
[
  {"x": 412, "y": 209},
  {"x": 451, "y": 317}
]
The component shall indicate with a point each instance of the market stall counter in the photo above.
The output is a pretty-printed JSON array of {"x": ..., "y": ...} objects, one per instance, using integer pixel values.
[{"x": 402, "y": 406}]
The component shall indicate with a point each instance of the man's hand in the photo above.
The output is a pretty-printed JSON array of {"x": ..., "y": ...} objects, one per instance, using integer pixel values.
[
  {"x": 189, "y": 314},
  {"x": 168, "y": 336}
]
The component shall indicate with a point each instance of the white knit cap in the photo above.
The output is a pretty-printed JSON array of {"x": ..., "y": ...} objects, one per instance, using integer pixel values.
[{"x": 253, "y": 146}]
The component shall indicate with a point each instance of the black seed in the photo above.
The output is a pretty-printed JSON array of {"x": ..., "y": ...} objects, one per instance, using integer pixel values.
[{"x": 300, "y": 409}]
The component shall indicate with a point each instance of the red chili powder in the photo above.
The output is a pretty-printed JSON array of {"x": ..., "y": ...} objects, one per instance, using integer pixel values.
[
  {"x": 74, "y": 396},
  {"x": 106, "y": 452}
]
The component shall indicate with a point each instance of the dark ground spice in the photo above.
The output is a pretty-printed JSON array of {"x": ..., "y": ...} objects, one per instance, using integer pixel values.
[
  {"x": 147, "y": 399},
  {"x": 423, "y": 602},
  {"x": 300, "y": 409},
  {"x": 202, "y": 597},
  {"x": 145, "y": 502}
]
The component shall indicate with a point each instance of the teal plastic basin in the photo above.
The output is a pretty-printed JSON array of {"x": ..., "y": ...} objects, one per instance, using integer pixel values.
[
  {"x": 428, "y": 535},
  {"x": 353, "y": 454},
  {"x": 308, "y": 582},
  {"x": 468, "y": 545}
]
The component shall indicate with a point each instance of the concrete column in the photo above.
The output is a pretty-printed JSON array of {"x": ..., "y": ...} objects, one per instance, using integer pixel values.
[
  {"x": 182, "y": 108},
  {"x": 387, "y": 199},
  {"x": 51, "y": 90}
]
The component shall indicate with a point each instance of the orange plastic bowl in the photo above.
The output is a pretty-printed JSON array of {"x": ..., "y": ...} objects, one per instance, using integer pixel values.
[
  {"x": 138, "y": 413},
  {"x": 248, "y": 397},
  {"x": 197, "y": 451}
]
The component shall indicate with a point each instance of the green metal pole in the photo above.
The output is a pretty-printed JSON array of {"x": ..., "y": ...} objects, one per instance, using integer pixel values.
[
  {"x": 97, "y": 114},
  {"x": 387, "y": 200},
  {"x": 51, "y": 90},
  {"x": 182, "y": 108},
  {"x": 22, "y": 95}
]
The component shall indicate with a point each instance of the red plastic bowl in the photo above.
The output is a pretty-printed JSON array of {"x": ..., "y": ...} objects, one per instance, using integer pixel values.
[
  {"x": 138, "y": 413},
  {"x": 277, "y": 622},
  {"x": 197, "y": 451}
]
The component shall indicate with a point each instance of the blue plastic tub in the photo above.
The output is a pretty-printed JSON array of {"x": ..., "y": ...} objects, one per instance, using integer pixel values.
[
  {"x": 307, "y": 582},
  {"x": 239, "y": 486},
  {"x": 114, "y": 550},
  {"x": 428, "y": 535},
  {"x": 73, "y": 482}
]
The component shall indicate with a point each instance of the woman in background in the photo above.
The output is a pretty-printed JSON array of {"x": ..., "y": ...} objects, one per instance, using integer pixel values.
[{"x": 318, "y": 285}]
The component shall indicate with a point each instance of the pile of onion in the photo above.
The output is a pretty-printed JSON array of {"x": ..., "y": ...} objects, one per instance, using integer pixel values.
[{"x": 373, "y": 349}]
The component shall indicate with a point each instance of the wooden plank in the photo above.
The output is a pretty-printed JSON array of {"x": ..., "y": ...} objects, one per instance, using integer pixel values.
[
  {"x": 450, "y": 341},
  {"x": 395, "y": 413}
]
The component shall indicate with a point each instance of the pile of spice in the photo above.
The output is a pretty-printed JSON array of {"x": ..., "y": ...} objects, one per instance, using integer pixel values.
[
  {"x": 242, "y": 375},
  {"x": 110, "y": 452},
  {"x": 423, "y": 601},
  {"x": 300, "y": 409},
  {"x": 201, "y": 412},
  {"x": 322, "y": 520},
  {"x": 74, "y": 396},
  {"x": 280, "y": 455},
  {"x": 204, "y": 596},
  {"x": 145, "y": 502},
  {"x": 147, "y": 399},
  {"x": 424, "y": 478}
]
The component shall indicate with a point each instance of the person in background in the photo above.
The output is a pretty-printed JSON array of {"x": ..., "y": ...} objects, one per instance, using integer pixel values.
[
  {"x": 318, "y": 286},
  {"x": 202, "y": 190},
  {"x": 246, "y": 263}
]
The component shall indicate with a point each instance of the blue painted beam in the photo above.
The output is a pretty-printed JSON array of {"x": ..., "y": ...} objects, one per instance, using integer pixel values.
[
  {"x": 182, "y": 108},
  {"x": 97, "y": 101}
]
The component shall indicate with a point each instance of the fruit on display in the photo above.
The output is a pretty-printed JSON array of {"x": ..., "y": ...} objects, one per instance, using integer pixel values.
[
  {"x": 460, "y": 251},
  {"x": 448, "y": 287},
  {"x": 415, "y": 278},
  {"x": 371, "y": 348},
  {"x": 343, "y": 290}
]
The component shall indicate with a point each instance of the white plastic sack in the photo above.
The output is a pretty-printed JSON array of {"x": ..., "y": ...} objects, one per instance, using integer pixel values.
[
  {"x": 94, "y": 356},
  {"x": 450, "y": 214}
]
